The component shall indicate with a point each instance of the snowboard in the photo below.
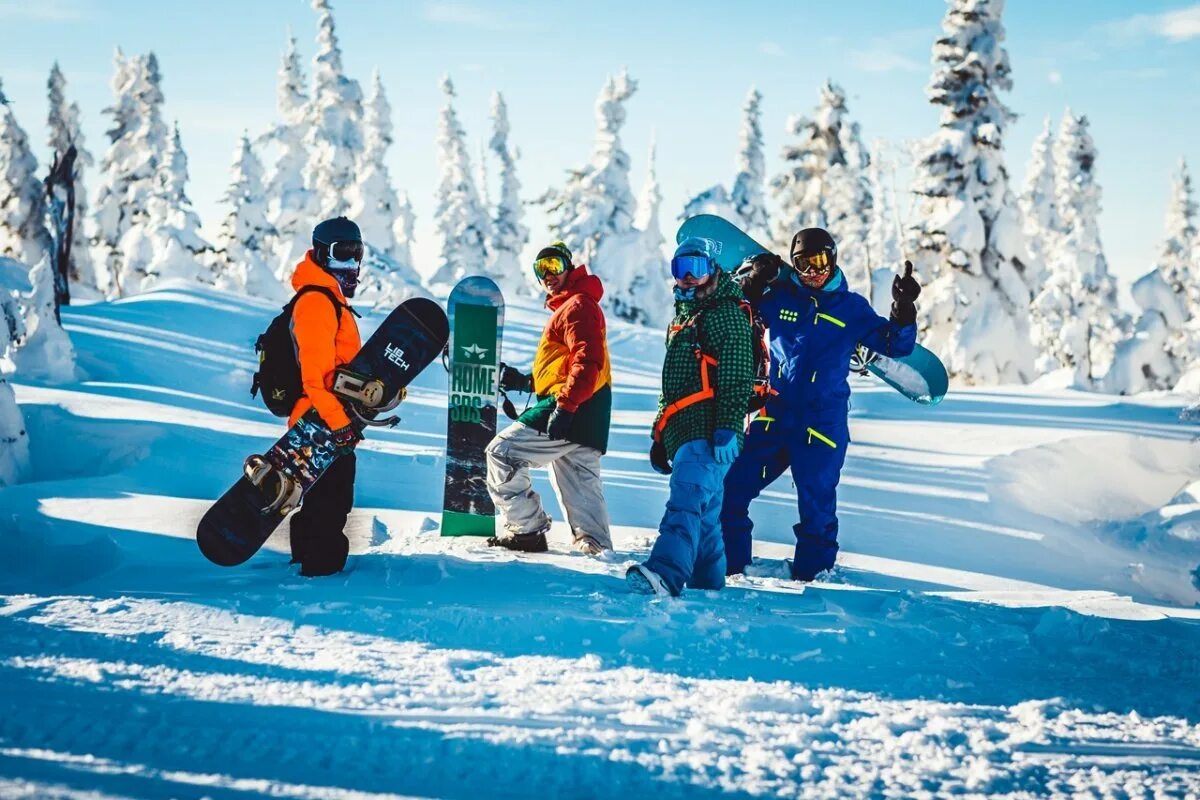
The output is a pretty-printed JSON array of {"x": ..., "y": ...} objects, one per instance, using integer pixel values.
[
  {"x": 476, "y": 309},
  {"x": 920, "y": 376},
  {"x": 274, "y": 484}
]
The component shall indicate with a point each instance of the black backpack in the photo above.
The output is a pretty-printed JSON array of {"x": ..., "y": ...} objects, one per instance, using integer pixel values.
[{"x": 278, "y": 375}]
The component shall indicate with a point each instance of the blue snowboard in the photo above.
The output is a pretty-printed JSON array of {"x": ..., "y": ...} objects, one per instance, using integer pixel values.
[{"x": 921, "y": 376}]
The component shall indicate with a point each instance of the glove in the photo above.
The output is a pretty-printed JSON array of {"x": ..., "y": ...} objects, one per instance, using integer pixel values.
[
  {"x": 725, "y": 446},
  {"x": 514, "y": 380},
  {"x": 559, "y": 423},
  {"x": 658, "y": 458},
  {"x": 345, "y": 437},
  {"x": 756, "y": 273},
  {"x": 905, "y": 291}
]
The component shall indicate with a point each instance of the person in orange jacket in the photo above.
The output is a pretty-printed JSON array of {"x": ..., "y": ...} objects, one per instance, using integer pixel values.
[{"x": 326, "y": 337}]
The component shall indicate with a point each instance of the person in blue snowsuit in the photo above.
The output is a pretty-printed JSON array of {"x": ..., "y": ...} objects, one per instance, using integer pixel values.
[{"x": 814, "y": 323}]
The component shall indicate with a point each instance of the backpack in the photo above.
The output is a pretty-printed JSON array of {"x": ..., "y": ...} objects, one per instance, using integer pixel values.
[
  {"x": 759, "y": 352},
  {"x": 278, "y": 373}
]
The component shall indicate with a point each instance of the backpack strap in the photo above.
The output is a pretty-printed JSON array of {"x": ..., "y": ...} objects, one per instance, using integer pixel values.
[{"x": 337, "y": 304}]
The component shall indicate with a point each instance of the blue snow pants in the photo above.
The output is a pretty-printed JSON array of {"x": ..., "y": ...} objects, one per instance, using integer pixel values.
[
  {"x": 689, "y": 550},
  {"x": 815, "y": 455}
]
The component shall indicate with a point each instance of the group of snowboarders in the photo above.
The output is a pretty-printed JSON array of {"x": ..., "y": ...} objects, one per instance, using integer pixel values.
[{"x": 718, "y": 371}]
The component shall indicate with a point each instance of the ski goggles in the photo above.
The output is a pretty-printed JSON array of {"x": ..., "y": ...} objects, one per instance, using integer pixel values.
[
  {"x": 550, "y": 265},
  {"x": 695, "y": 266},
  {"x": 809, "y": 264},
  {"x": 346, "y": 251}
]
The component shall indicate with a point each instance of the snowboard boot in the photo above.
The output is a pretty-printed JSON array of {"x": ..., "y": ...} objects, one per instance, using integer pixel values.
[
  {"x": 642, "y": 580},
  {"x": 588, "y": 546},
  {"x": 521, "y": 542}
]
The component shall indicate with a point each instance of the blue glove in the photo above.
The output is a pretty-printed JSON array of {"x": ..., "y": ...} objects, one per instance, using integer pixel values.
[{"x": 725, "y": 446}]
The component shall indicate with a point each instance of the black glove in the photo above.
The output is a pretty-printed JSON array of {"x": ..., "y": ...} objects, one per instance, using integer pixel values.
[
  {"x": 559, "y": 423},
  {"x": 658, "y": 458},
  {"x": 345, "y": 437},
  {"x": 756, "y": 273},
  {"x": 512, "y": 380},
  {"x": 905, "y": 291}
]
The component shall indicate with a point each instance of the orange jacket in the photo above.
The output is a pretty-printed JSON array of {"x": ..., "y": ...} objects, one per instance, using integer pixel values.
[
  {"x": 572, "y": 357},
  {"x": 323, "y": 343}
]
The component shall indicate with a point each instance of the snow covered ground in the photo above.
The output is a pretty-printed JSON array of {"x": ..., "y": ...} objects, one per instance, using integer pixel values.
[{"x": 1015, "y": 611}]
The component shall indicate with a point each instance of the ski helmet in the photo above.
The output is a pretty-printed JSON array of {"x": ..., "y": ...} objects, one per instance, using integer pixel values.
[
  {"x": 552, "y": 260},
  {"x": 338, "y": 249},
  {"x": 814, "y": 256}
]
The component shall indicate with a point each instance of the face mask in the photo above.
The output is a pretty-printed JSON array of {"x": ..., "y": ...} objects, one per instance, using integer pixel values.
[
  {"x": 346, "y": 274},
  {"x": 685, "y": 294}
]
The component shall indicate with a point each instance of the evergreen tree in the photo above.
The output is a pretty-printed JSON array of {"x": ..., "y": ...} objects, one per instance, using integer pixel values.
[
  {"x": 46, "y": 352},
  {"x": 335, "y": 114},
  {"x": 293, "y": 206},
  {"x": 747, "y": 196},
  {"x": 403, "y": 229},
  {"x": 1179, "y": 258},
  {"x": 823, "y": 184},
  {"x": 23, "y": 234},
  {"x": 508, "y": 235},
  {"x": 375, "y": 203},
  {"x": 1040, "y": 219},
  {"x": 966, "y": 239},
  {"x": 242, "y": 263},
  {"x": 713, "y": 200},
  {"x": 63, "y": 125},
  {"x": 14, "y": 443},
  {"x": 458, "y": 216},
  {"x": 883, "y": 253}
]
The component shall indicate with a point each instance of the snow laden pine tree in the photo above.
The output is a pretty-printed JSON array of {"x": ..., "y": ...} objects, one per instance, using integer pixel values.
[
  {"x": 883, "y": 252},
  {"x": 293, "y": 207},
  {"x": 966, "y": 239},
  {"x": 65, "y": 132},
  {"x": 334, "y": 136},
  {"x": 46, "y": 352},
  {"x": 1038, "y": 208},
  {"x": 1076, "y": 318},
  {"x": 458, "y": 216},
  {"x": 1165, "y": 343},
  {"x": 508, "y": 236},
  {"x": 23, "y": 234},
  {"x": 129, "y": 169},
  {"x": 14, "y": 442},
  {"x": 168, "y": 243},
  {"x": 823, "y": 184},
  {"x": 242, "y": 263},
  {"x": 638, "y": 258}
]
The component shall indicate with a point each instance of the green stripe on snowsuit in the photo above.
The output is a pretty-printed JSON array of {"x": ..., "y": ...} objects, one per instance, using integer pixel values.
[{"x": 719, "y": 328}]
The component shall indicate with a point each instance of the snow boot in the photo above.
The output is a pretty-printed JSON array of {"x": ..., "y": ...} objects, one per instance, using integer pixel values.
[
  {"x": 521, "y": 542},
  {"x": 645, "y": 581},
  {"x": 588, "y": 547}
]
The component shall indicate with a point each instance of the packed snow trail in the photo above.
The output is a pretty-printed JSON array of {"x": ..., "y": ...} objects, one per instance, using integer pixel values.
[{"x": 967, "y": 643}]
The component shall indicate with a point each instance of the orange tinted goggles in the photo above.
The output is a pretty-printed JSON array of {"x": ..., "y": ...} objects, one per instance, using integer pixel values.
[
  {"x": 551, "y": 265},
  {"x": 811, "y": 263}
]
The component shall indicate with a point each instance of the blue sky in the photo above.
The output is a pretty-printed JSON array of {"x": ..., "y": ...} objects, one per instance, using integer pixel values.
[{"x": 1133, "y": 68}]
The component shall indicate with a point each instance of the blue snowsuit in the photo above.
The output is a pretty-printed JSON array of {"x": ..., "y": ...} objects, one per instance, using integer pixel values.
[{"x": 813, "y": 333}]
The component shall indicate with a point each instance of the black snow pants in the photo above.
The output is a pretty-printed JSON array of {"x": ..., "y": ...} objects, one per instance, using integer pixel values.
[{"x": 318, "y": 542}]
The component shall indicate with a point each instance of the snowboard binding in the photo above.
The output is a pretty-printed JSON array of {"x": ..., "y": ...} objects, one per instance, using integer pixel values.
[
  {"x": 282, "y": 491},
  {"x": 366, "y": 392},
  {"x": 862, "y": 358}
]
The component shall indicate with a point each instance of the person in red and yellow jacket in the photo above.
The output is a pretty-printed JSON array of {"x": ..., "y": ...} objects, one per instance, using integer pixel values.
[
  {"x": 326, "y": 337},
  {"x": 567, "y": 430}
]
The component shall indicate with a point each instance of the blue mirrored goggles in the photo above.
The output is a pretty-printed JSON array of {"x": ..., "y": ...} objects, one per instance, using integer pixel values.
[{"x": 696, "y": 266}]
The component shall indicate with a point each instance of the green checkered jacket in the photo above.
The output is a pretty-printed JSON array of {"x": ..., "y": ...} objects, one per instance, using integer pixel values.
[{"x": 716, "y": 326}]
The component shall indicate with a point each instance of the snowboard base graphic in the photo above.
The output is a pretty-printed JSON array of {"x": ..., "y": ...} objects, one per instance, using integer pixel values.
[
  {"x": 476, "y": 311},
  {"x": 274, "y": 484},
  {"x": 921, "y": 376}
]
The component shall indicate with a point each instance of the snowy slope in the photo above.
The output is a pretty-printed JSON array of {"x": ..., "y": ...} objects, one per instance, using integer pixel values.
[{"x": 1015, "y": 611}]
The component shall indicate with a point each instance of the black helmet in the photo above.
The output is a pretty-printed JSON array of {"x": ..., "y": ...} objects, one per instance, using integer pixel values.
[
  {"x": 338, "y": 229},
  {"x": 811, "y": 241}
]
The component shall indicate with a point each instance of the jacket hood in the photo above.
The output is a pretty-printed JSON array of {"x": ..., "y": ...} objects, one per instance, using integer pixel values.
[
  {"x": 309, "y": 274},
  {"x": 579, "y": 281}
]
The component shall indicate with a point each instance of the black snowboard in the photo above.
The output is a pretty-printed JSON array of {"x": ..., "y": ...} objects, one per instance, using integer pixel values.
[{"x": 274, "y": 483}]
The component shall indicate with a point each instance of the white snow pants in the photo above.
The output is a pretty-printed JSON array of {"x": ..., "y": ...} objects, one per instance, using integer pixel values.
[{"x": 574, "y": 474}]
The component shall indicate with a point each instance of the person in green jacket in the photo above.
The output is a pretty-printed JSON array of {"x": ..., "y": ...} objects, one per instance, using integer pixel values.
[{"x": 708, "y": 378}]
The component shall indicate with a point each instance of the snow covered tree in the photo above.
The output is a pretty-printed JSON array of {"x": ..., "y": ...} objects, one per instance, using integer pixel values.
[
  {"x": 713, "y": 200},
  {"x": 293, "y": 206},
  {"x": 335, "y": 113},
  {"x": 404, "y": 230},
  {"x": 1039, "y": 217},
  {"x": 459, "y": 216},
  {"x": 46, "y": 352},
  {"x": 243, "y": 243},
  {"x": 23, "y": 234},
  {"x": 129, "y": 169},
  {"x": 748, "y": 185},
  {"x": 883, "y": 254},
  {"x": 823, "y": 183},
  {"x": 1166, "y": 341},
  {"x": 14, "y": 443},
  {"x": 508, "y": 235},
  {"x": 168, "y": 244},
  {"x": 374, "y": 203},
  {"x": 637, "y": 261},
  {"x": 1076, "y": 317},
  {"x": 965, "y": 239},
  {"x": 64, "y": 128}
]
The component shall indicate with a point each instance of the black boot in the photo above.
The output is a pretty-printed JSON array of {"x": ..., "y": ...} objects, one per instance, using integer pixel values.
[{"x": 523, "y": 542}]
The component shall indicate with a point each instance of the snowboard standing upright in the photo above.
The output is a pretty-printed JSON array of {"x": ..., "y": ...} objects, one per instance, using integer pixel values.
[
  {"x": 920, "y": 376},
  {"x": 275, "y": 483},
  {"x": 476, "y": 310}
]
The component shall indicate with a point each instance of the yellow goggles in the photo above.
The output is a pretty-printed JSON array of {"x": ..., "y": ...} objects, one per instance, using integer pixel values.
[
  {"x": 811, "y": 263},
  {"x": 550, "y": 265}
]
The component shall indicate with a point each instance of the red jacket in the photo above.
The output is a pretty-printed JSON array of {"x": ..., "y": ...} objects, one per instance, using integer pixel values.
[{"x": 572, "y": 358}]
